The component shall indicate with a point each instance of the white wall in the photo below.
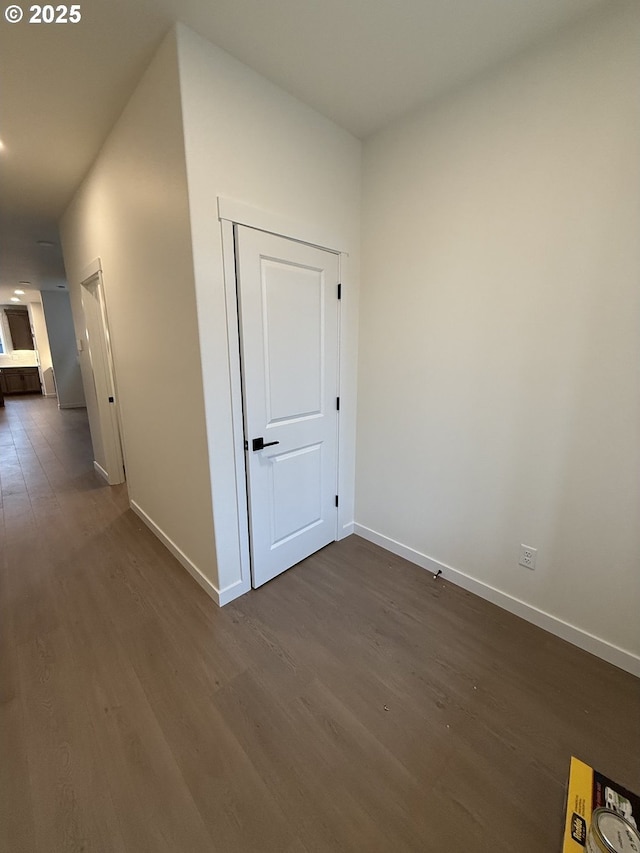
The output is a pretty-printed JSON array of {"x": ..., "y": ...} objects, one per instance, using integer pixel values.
[
  {"x": 248, "y": 141},
  {"x": 132, "y": 212},
  {"x": 62, "y": 341},
  {"x": 499, "y": 394},
  {"x": 39, "y": 325}
]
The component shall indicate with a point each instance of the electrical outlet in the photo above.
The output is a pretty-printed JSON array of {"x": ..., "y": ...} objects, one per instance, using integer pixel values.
[{"x": 527, "y": 557}]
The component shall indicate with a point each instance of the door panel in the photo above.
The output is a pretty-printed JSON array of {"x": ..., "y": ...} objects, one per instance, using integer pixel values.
[
  {"x": 295, "y": 511},
  {"x": 292, "y": 321},
  {"x": 288, "y": 304}
]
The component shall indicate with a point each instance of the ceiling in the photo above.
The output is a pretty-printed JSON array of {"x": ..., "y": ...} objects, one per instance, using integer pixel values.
[{"x": 362, "y": 63}]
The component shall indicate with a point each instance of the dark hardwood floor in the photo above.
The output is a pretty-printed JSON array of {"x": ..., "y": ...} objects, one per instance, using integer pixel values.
[{"x": 353, "y": 704}]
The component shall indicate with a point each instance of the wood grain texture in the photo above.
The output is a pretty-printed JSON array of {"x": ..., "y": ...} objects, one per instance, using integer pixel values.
[{"x": 352, "y": 704}]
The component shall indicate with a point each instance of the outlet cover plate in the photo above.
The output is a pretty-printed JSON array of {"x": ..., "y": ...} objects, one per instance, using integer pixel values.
[{"x": 528, "y": 557}]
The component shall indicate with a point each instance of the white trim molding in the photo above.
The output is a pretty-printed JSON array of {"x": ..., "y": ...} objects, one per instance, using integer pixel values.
[
  {"x": 263, "y": 220},
  {"x": 221, "y": 597},
  {"x": 91, "y": 269},
  {"x": 231, "y": 592},
  {"x": 621, "y": 658},
  {"x": 100, "y": 470},
  {"x": 347, "y": 530},
  {"x": 235, "y": 385}
]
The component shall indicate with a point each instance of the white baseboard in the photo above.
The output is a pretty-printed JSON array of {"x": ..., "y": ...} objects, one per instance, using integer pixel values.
[
  {"x": 100, "y": 470},
  {"x": 221, "y": 597},
  {"x": 72, "y": 406},
  {"x": 595, "y": 645},
  {"x": 233, "y": 591},
  {"x": 347, "y": 530}
]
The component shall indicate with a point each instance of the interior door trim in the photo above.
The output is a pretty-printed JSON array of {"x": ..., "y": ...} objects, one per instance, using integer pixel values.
[
  {"x": 263, "y": 221},
  {"x": 239, "y": 213},
  {"x": 113, "y": 447}
]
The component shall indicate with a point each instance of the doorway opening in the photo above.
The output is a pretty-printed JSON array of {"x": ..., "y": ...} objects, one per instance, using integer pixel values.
[{"x": 103, "y": 407}]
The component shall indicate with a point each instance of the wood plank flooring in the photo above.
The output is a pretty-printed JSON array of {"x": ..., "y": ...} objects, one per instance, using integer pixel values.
[{"x": 353, "y": 704}]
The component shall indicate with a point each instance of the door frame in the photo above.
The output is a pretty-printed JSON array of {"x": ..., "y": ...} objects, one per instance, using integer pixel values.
[
  {"x": 232, "y": 213},
  {"x": 114, "y": 449}
]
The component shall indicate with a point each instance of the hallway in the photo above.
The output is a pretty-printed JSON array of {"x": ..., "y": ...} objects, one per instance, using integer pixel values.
[{"x": 353, "y": 704}]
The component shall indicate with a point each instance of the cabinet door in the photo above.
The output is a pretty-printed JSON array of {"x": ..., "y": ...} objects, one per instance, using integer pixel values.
[
  {"x": 20, "y": 328},
  {"x": 13, "y": 382},
  {"x": 31, "y": 380}
]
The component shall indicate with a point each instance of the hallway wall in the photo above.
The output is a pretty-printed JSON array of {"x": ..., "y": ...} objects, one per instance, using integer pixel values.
[
  {"x": 248, "y": 141},
  {"x": 199, "y": 125},
  {"x": 132, "y": 212}
]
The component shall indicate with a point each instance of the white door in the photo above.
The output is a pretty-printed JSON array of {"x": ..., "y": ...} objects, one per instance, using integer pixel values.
[
  {"x": 288, "y": 302},
  {"x": 105, "y": 432}
]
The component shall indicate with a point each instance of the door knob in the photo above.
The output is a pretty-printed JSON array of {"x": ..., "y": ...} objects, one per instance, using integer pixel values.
[{"x": 259, "y": 443}]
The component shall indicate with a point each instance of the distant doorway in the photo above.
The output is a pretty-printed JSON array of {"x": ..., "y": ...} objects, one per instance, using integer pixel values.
[{"x": 104, "y": 420}]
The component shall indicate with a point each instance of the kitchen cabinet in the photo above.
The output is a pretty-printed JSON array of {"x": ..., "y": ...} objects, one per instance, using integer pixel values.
[
  {"x": 19, "y": 380},
  {"x": 20, "y": 328}
]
